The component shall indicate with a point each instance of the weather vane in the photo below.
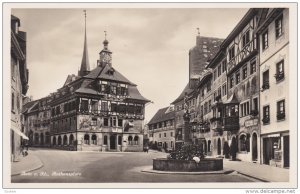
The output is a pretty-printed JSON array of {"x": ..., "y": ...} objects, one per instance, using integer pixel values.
[
  {"x": 198, "y": 31},
  {"x": 105, "y": 34}
]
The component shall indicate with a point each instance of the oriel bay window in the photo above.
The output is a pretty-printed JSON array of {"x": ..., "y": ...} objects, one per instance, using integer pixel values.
[
  {"x": 280, "y": 110},
  {"x": 266, "y": 114},
  {"x": 279, "y": 70}
]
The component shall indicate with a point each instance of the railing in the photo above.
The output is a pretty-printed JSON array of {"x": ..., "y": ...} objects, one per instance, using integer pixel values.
[
  {"x": 265, "y": 85},
  {"x": 279, "y": 76},
  {"x": 280, "y": 115}
]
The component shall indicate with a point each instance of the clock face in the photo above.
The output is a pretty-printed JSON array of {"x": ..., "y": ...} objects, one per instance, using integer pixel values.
[{"x": 106, "y": 58}]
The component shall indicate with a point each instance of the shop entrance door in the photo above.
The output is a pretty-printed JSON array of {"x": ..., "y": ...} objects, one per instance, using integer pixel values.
[
  {"x": 112, "y": 140},
  {"x": 266, "y": 147},
  {"x": 254, "y": 147},
  {"x": 286, "y": 151}
]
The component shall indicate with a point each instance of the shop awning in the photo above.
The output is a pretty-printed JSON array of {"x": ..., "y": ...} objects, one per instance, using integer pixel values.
[
  {"x": 17, "y": 131},
  {"x": 274, "y": 135}
]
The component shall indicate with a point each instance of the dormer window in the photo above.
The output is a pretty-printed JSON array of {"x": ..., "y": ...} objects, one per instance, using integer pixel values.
[{"x": 111, "y": 71}]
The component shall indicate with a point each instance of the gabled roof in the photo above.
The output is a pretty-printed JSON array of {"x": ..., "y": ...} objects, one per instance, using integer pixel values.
[
  {"x": 107, "y": 73},
  {"x": 135, "y": 94},
  {"x": 162, "y": 115},
  {"x": 27, "y": 106},
  {"x": 187, "y": 90}
]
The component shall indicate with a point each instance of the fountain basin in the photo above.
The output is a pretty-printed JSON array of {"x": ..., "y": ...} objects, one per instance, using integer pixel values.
[{"x": 206, "y": 164}]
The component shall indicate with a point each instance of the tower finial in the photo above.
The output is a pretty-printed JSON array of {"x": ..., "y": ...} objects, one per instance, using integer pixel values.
[
  {"x": 105, "y": 34},
  {"x": 198, "y": 29},
  {"x": 84, "y": 19},
  {"x": 85, "y": 65}
]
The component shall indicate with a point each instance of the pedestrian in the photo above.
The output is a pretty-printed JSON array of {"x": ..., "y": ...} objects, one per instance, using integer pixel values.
[{"x": 147, "y": 148}]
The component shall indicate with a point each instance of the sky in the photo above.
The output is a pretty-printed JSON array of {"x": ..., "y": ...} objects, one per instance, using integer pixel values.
[{"x": 150, "y": 46}]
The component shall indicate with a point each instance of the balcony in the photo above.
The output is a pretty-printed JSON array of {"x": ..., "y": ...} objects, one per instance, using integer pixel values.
[
  {"x": 179, "y": 137},
  {"x": 279, "y": 76},
  {"x": 280, "y": 116},
  {"x": 217, "y": 125},
  {"x": 265, "y": 85},
  {"x": 231, "y": 123},
  {"x": 266, "y": 120}
]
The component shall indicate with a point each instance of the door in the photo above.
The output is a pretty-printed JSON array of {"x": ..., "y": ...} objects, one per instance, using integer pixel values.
[
  {"x": 266, "y": 155},
  {"x": 286, "y": 151},
  {"x": 219, "y": 146},
  {"x": 254, "y": 147},
  {"x": 112, "y": 142}
]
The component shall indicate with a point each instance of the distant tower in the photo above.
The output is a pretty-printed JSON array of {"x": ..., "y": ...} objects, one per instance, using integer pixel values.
[
  {"x": 85, "y": 64},
  {"x": 105, "y": 54}
]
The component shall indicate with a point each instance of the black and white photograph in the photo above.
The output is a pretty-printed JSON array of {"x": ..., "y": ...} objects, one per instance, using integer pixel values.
[{"x": 142, "y": 95}]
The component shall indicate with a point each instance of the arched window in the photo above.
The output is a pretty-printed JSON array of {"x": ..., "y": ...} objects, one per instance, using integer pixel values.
[
  {"x": 130, "y": 140},
  {"x": 244, "y": 143},
  {"x": 136, "y": 140},
  {"x": 65, "y": 140},
  {"x": 86, "y": 139},
  {"x": 94, "y": 139},
  {"x": 71, "y": 139},
  {"x": 105, "y": 140},
  {"x": 59, "y": 140},
  {"x": 54, "y": 140},
  {"x": 119, "y": 140},
  {"x": 208, "y": 146}
]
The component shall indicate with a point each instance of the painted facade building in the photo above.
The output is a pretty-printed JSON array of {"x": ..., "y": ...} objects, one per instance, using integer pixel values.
[
  {"x": 162, "y": 128},
  {"x": 19, "y": 86},
  {"x": 274, "y": 83},
  {"x": 241, "y": 108}
]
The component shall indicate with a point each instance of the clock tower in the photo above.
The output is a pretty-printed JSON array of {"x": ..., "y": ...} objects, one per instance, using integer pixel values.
[{"x": 105, "y": 54}]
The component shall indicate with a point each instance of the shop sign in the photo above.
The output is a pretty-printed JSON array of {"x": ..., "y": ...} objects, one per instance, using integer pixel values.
[{"x": 251, "y": 122}]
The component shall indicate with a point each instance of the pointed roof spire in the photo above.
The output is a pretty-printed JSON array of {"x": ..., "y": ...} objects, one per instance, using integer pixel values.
[{"x": 85, "y": 65}]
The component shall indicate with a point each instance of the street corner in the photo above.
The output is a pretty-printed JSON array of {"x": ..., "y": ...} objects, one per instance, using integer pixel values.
[{"x": 26, "y": 164}]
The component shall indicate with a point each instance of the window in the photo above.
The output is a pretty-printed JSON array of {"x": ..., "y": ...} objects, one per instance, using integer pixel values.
[
  {"x": 224, "y": 66},
  {"x": 245, "y": 109},
  {"x": 105, "y": 140},
  {"x": 278, "y": 26},
  {"x": 231, "y": 82},
  {"x": 219, "y": 91},
  {"x": 224, "y": 90},
  {"x": 12, "y": 102},
  {"x": 94, "y": 122},
  {"x": 105, "y": 123},
  {"x": 201, "y": 110},
  {"x": 84, "y": 105},
  {"x": 136, "y": 140},
  {"x": 231, "y": 53},
  {"x": 265, "y": 80},
  {"x": 279, "y": 71},
  {"x": 165, "y": 134},
  {"x": 122, "y": 108},
  {"x": 237, "y": 78},
  {"x": 246, "y": 38},
  {"x": 265, "y": 42},
  {"x": 252, "y": 66},
  {"x": 245, "y": 72},
  {"x": 86, "y": 139},
  {"x": 114, "y": 107},
  {"x": 205, "y": 107},
  {"x": 104, "y": 106},
  {"x": 255, "y": 105},
  {"x": 94, "y": 106},
  {"x": 209, "y": 105},
  {"x": 219, "y": 70},
  {"x": 280, "y": 110},
  {"x": 171, "y": 134},
  {"x": 208, "y": 86},
  {"x": 160, "y": 135},
  {"x": 113, "y": 121},
  {"x": 113, "y": 90},
  {"x": 266, "y": 115},
  {"x": 94, "y": 139},
  {"x": 120, "y": 122}
]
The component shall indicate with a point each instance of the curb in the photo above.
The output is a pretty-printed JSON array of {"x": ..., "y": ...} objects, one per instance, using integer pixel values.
[
  {"x": 40, "y": 165},
  {"x": 150, "y": 170},
  {"x": 257, "y": 178}
]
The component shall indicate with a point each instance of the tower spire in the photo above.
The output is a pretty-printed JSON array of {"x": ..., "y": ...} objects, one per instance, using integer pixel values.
[{"x": 85, "y": 65}]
